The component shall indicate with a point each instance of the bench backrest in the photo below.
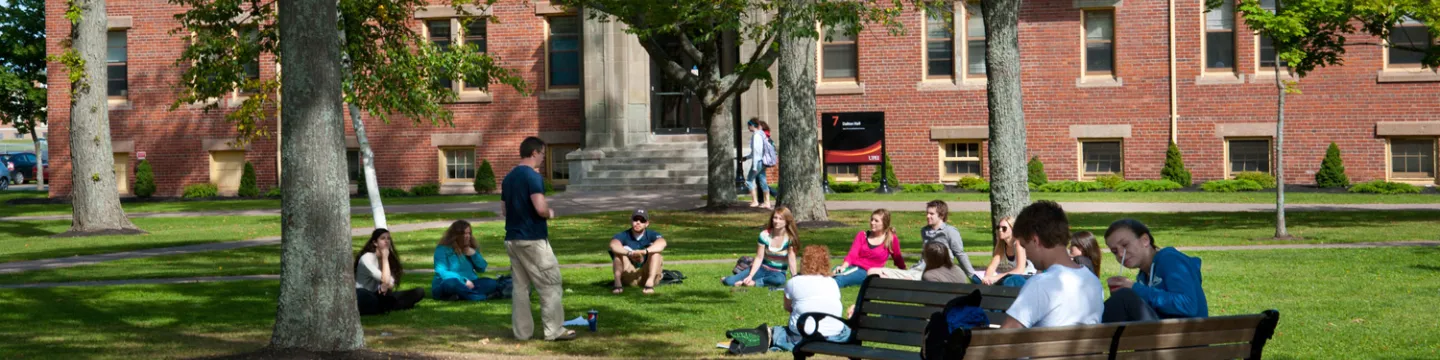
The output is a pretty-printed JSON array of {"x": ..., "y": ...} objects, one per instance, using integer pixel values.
[
  {"x": 1225, "y": 337},
  {"x": 896, "y": 311}
]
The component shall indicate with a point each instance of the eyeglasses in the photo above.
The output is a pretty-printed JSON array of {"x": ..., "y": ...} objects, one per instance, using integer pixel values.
[{"x": 1002, "y": 228}]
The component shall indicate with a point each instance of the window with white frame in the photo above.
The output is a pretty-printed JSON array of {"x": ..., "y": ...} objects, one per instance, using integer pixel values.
[
  {"x": 1100, "y": 42},
  {"x": 474, "y": 36},
  {"x": 557, "y": 168},
  {"x": 562, "y": 47},
  {"x": 939, "y": 48},
  {"x": 974, "y": 41},
  {"x": 1246, "y": 155},
  {"x": 458, "y": 164},
  {"x": 959, "y": 159},
  {"x": 1220, "y": 37},
  {"x": 117, "y": 84},
  {"x": 847, "y": 172},
  {"x": 839, "y": 55},
  {"x": 1412, "y": 159},
  {"x": 1409, "y": 40},
  {"x": 1100, "y": 157}
]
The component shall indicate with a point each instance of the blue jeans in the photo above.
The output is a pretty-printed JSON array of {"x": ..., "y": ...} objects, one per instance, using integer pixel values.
[
  {"x": 781, "y": 339},
  {"x": 756, "y": 181},
  {"x": 854, "y": 278},
  {"x": 484, "y": 287},
  {"x": 765, "y": 277},
  {"x": 1014, "y": 280}
]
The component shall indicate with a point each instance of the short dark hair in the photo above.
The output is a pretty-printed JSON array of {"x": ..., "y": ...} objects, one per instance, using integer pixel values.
[
  {"x": 1135, "y": 226},
  {"x": 941, "y": 208},
  {"x": 530, "y": 146},
  {"x": 1045, "y": 220}
]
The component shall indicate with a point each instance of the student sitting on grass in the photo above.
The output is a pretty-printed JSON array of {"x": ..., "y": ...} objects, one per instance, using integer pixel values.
[
  {"x": 935, "y": 231},
  {"x": 1085, "y": 251},
  {"x": 635, "y": 254},
  {"x": 377, "y": 274},
  {"x": 1168, "y": 285},
  {"x": 1065, "y": 293},
  {"x": 811, "y": 292},
  {"x": 774, "y": 253},
  {"x": 938, "y": 267},
  {"x": 1009, "y": 259},
  {"x": 870, "y": 250},
  {"x": 457, "y": 261}
]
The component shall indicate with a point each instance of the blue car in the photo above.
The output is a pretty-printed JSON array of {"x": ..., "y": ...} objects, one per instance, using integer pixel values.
[{"x": 22, "y": 166}]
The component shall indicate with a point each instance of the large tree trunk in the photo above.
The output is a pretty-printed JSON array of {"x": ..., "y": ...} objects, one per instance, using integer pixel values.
[
  {"x": 92, "y": 173},
  {"x": 367, "y": 159},
  {"x": 800, "y": 168},
  {"x": 1009, "y": 192},
  {"x": 1280, "y": 231},
  {"x": 316, "y": 308},
  {"x": 720, "y": 149}
]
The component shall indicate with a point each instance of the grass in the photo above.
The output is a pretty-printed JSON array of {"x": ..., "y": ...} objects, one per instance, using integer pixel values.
[
  {"x": 581, "y": 239},
  {"x": 1354, "y": 303},
  {"x": 210, "y": 205},
  {"x": 29, "y": 240},
  {"x": 1267, "y": 197}
]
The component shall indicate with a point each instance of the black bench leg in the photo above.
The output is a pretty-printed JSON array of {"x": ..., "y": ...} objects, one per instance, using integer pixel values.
[{"x": 801, "y": 355}]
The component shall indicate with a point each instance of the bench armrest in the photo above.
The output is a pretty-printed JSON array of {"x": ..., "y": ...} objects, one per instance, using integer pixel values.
[{"x": 814, "y": 334}]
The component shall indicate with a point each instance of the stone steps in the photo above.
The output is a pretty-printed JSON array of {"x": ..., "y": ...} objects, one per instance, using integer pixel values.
[
  {"x": 671, "y": 162},
  {"x": 676, "y": 166},
  {"x": 672, "y": 180},
  {"x": 638, "y": 174},
  {"x": 655, "y": 187}
]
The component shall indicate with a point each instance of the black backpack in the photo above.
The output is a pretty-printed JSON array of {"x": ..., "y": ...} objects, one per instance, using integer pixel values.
[
  {"x": 945, "y": 336},
  {"x": 671, "y": 277},
  {"x": 749, "y": 341}
]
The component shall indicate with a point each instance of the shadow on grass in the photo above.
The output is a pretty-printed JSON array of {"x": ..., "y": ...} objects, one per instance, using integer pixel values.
[
  {"x": 20, "y": 229},
  {"x": 1427, "y": 267}
]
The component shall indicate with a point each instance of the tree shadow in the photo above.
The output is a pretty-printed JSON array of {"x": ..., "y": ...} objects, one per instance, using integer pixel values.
[{"x": 1427, "y": 267}]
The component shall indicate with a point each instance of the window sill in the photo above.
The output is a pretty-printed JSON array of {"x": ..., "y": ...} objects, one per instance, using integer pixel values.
[
  {"x": 1407, "y": 75},
  {"x": 950, "y": 85},
  {"x": 201, "y": 105},
  {"x": 846, "y": 179},
  {"x": 1099, "y": 82},
  {"x": 118, "y": 104},
  {"x": 1268, "y": 75},
  {"x": 1219, "y": 79},
  {"x": 560, "y": 94},
  {"x": 237, "y": 100},
  {"x": 840, "y": 88},
  {"x": 474, "y": 97}
]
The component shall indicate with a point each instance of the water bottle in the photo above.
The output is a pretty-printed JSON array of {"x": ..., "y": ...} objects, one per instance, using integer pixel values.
[{"x": 593, "y": 317}]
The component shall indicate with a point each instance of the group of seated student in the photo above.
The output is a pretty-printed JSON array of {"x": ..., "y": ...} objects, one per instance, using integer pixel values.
[{"x": 457, "y": 262}]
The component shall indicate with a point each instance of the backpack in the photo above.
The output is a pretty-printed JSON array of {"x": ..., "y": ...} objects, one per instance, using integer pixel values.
[
  {"x": 504, "y": 289},
  {"x": 749, "y": 341},
  {"x": 743, "y": 264},
  {"x": 769, "y": 157},
  {"x": 960, "y": 314},
  {"x": 671, "y": 277}
]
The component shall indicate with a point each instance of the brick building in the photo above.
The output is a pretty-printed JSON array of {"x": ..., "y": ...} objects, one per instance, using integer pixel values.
[{"x": 1107, "y": 85}]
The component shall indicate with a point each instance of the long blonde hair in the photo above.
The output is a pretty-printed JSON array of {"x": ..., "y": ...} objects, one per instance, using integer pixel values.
[
  {"x": 886, "y": 231},
  {"x": 455, "y": 237},
  {"x": 791, "y": 235},
  {"x": 1001, "y": 247}
]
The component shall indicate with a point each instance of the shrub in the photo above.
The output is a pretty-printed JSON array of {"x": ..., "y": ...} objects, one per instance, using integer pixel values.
[
  {"x": 1174, "y": 169},
  {"x": 550, "y": 187},
  {"x": 889, "y": 172},
  {"x": 971, "y": 182},
  {"x": 1332, "y": 170},
  {"x": 1231, "y": 185},
  {"x": 1037, "y": 172},
  {"x": 144, "y": 179},
  {"x": 853, "y": 187},
  {"x": 393, "y": 193},
  {"x": 274, "y": 193},
  {"x": 1265, "y": 180},
  {"x": 203, "y": 190},
  {"x": 1070, "y": 186},
  {"x": 485, "y": 178},
  {"x": 1147, "y": 186},
  {"x": 1110, "y": 181},
  {"x": 982, "y": 187},
  {"x": 429, "y": 189},
  {"x": 1385, "y": 187},
  {"x": 247, "y": 182},
  {"x": 923, "y": 188},
  {"x": 829, "y": 179}
]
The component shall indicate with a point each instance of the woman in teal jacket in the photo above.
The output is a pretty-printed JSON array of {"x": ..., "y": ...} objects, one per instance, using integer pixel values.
[
  {"x": 457, "y": 263},
  {"x": 1168, "y": 285}
]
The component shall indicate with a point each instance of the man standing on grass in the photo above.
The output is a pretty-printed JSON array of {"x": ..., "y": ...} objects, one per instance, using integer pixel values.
[{"x": 532, "y": 261}]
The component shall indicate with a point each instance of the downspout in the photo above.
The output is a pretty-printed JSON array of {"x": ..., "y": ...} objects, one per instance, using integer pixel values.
[{"x": 1174, "y": 102}]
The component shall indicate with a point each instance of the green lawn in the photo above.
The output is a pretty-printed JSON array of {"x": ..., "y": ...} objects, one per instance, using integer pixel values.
[
  {"x": 582, "y": 239},
  {"x": 1357, "y": 303},
  {"x": 29, "y": 240},
  {"x": 1266, "y": 197},
  {"x": 211, "y": 205}
]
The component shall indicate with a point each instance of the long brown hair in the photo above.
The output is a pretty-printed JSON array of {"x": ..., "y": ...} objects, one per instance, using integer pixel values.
[
  {"x": 937, "y": 256},
  {"x": 455, "y": 237},
  {"x": 886, "y": 231},
  {"x": 1001, "y": 247},
  {"x": 1086, "y": 242},
  {"x": 396, "y": 270},
  {"x": 815, "y": 260},
  {"x": 791, "y": 234}
]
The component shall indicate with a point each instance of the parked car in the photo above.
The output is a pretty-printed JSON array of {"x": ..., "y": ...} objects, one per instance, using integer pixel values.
[
  {"x": 4, "y": 173},
  {"x": 22, "y": 166}
]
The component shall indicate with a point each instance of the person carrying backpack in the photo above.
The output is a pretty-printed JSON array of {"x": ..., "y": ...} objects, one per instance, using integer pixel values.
[{"x": 762, "y": 155}]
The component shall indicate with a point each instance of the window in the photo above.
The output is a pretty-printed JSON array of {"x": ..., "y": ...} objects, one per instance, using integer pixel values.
[
  {"x": 459, "y": 164},
  {"x": 252, "y": 65},
  {"x": 439, "y": 35},
  {"x": 843, "y": 172},
  {"x": 475, "y": 36},
  {"x": 974, "y": 42},
  {"x": 563, "y": 52},
  {"x": 1408, "y": 42},
  {"x": 1220, "y": 37},
  {"x": 1412, "y": 159},
  {"x": 354, "y": 167},
  {"x": 1249, "y": 155},
  {"x": 117, "y": 85},
  {"x": 939, "y": 48},
  {"x": 1100, "y": 157},
  {"x": 959, "y": 159},
  {"x": 839, "y": 55},
  {"x": 557, "y": 168},
  {"x": 1099, "y": 42}
]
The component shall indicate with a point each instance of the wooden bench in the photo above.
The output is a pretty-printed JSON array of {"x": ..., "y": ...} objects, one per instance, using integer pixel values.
[
  {"x": 895, "y": 312},
  {"x": 890, "y": 311}
]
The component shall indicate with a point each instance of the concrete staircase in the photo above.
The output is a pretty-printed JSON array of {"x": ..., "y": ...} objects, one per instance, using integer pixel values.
[{"x": 672, "y": 162}]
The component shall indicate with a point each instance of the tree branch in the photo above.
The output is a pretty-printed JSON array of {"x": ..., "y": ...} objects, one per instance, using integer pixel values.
[
  {"x": 764, "y": 56},
  {"x": 689, "y": 48}
]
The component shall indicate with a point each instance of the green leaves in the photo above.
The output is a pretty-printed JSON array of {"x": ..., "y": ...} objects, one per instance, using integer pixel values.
[{"x": 1312, "y": 33}]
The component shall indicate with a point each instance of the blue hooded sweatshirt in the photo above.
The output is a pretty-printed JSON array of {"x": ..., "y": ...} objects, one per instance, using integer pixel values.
[{"x": 1174, "y": 290}]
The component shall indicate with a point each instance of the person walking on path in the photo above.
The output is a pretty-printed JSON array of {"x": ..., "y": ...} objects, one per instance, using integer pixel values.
[{"x": 532, "y": 260}]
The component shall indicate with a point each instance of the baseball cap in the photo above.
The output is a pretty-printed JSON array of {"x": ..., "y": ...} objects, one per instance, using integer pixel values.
[{"x": 642, "y": 214}]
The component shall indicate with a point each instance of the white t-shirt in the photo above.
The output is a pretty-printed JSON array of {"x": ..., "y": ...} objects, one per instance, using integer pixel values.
[
  {"x": 1059, "y": 296},
  {"x": 368, "y": 274},
  {"x": 815, "y": 293}
]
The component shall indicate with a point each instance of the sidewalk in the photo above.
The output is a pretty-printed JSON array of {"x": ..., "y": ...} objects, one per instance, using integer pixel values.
[{"x": 1117, "y": 207}]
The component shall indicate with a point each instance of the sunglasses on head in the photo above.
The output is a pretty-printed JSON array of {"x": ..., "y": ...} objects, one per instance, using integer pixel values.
[{"x": 1002, "y": 228}]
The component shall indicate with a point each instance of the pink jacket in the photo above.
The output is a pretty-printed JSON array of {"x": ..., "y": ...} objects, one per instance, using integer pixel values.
[{"x": 861, "y": 255}]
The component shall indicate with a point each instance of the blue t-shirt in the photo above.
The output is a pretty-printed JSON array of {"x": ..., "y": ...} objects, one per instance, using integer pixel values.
[
  {"x": 628, "y": 238},
  {"x": 521, "y": 220}
]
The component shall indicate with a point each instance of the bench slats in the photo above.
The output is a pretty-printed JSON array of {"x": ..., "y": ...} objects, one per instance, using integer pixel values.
[
  {"x": 1218, "y": 323},
  {"x": 889, "y": 337},
  {"x": 852, "y": 351},
  {"x": 1039, "y": 349},
  {"x": 948, "y": 288},
  {"x": 1037, "y": 335},
  {"x": 894, "y": 324},
  {"x": 1222, "y": 352},
  {"x": 1177, "y": 340},
  {"x": 996, "y": 318},
  {"x": 931, "y": 298},
  {"x": 875, "y": 308}
]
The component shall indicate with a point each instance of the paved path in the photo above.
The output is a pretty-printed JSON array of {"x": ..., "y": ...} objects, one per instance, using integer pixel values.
[
  {"x": 1113, "y": 207},
  {"x": 189, "y": 280}
]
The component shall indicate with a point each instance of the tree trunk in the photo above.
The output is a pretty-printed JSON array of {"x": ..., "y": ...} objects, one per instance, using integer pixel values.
[
  {"x": 316, "y": 309},
  {"x": 800, "y": 168},
  {"x": 367, "y": 158},
  {"x": 1280, "y": 231},
  {"x": 40, "y": 158},
  {"x": 1009, "y": 192},
  {"x": 92, "y": 173},
  {"x": 719, "y": 147}
]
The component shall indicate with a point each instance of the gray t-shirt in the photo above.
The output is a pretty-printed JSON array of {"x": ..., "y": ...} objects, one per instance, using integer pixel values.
[
  {"x": 950, "y": 237},
  {"x": 944, "y": 275}
]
